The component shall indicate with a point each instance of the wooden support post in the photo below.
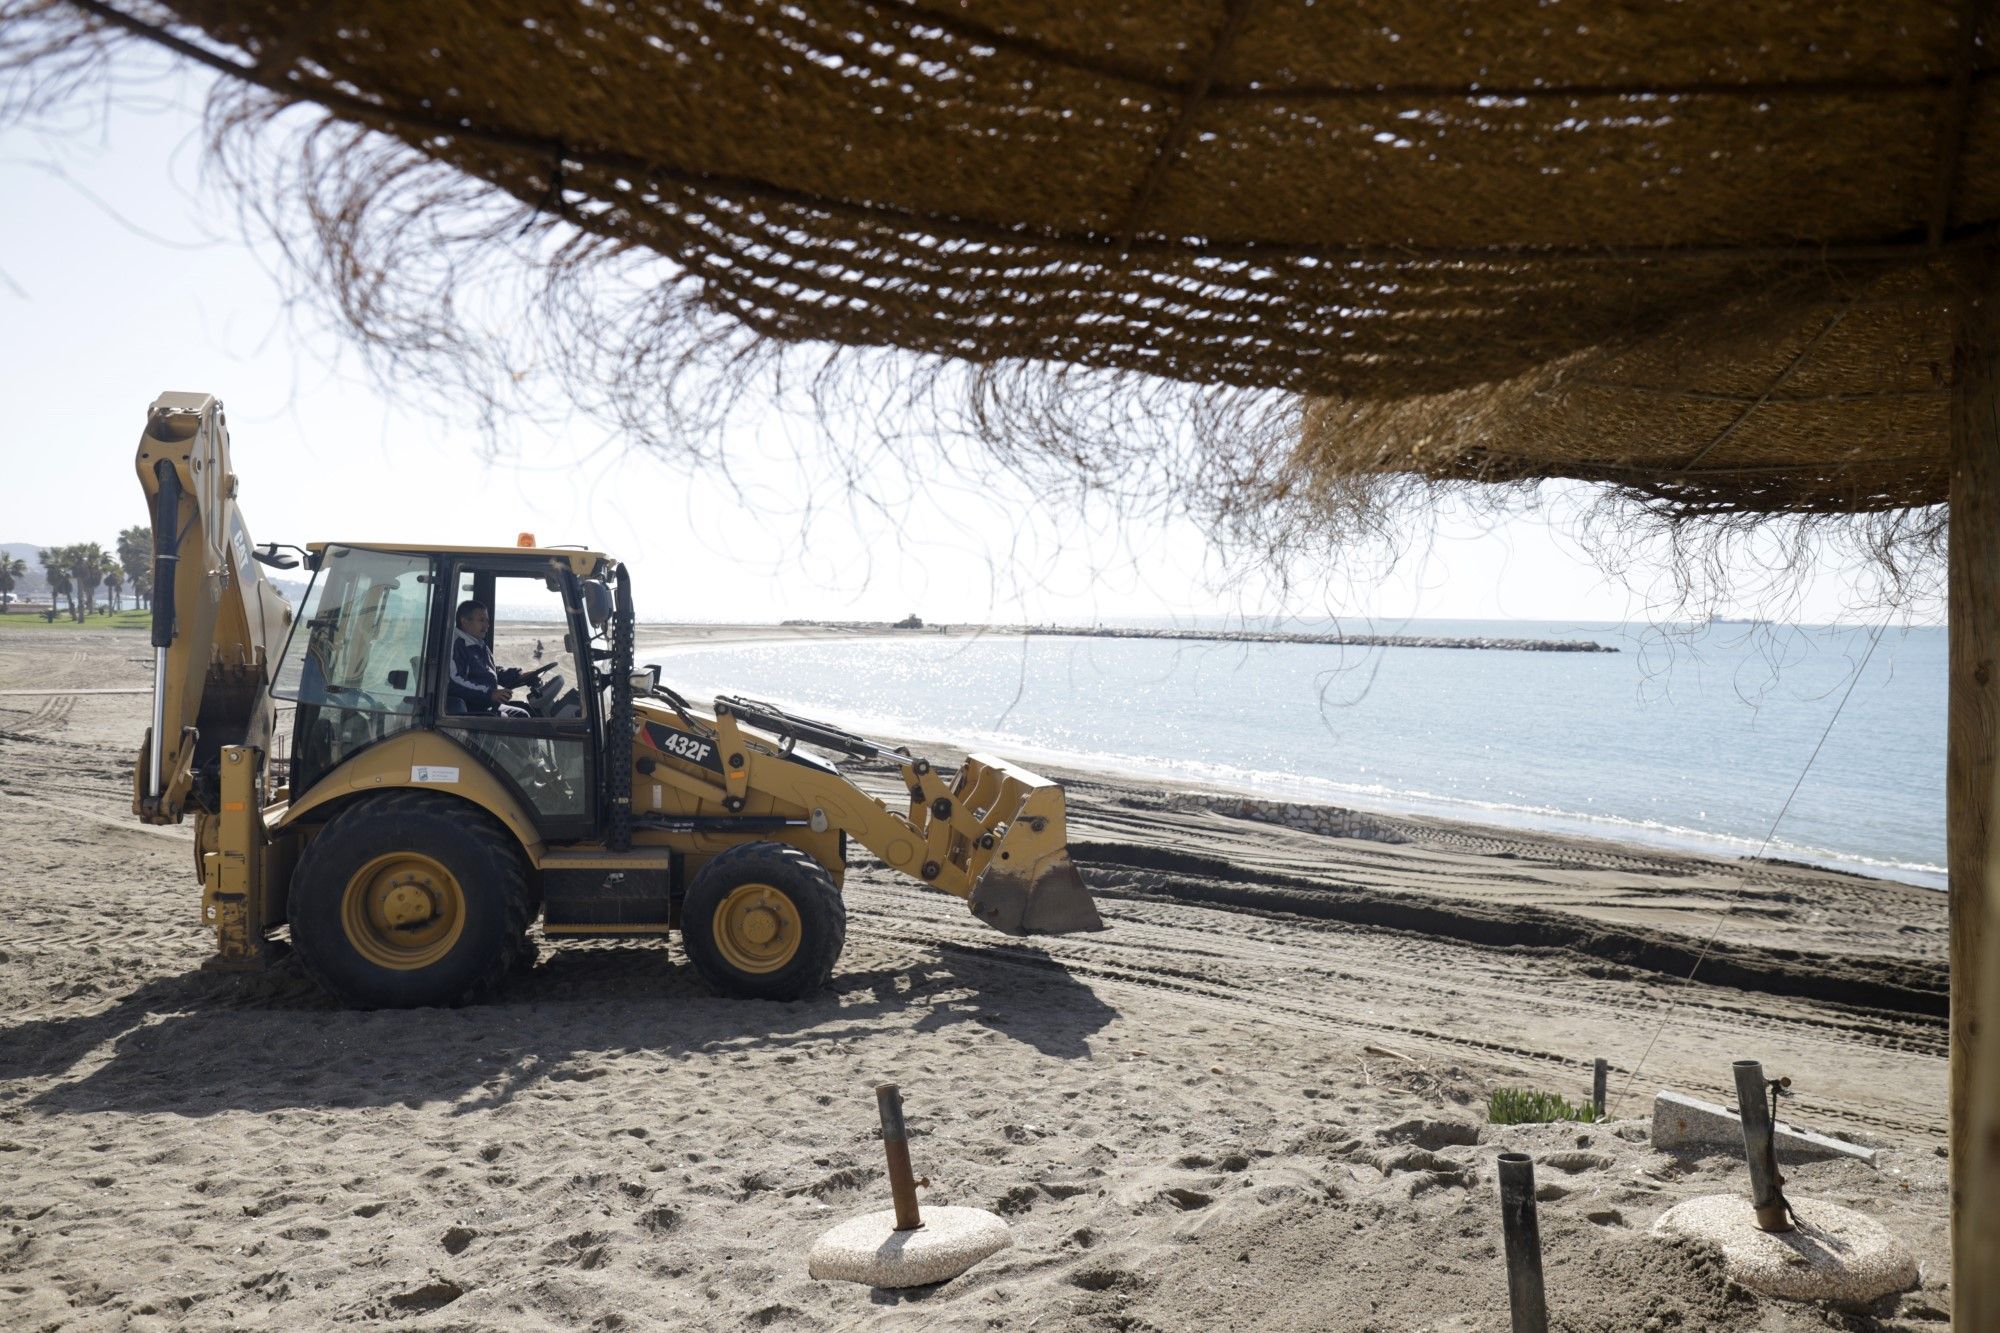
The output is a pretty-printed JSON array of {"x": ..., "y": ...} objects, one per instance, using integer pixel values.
[
  {"x": 1974, "y": 740},
  {"x": 1975, "y": 1288}
]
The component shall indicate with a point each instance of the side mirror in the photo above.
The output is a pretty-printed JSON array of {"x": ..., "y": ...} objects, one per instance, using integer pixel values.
[{"x": 596, "y": 602}]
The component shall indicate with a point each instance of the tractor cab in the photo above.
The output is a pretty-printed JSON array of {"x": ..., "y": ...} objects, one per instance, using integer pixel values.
[{"x": 374, "y": 652}]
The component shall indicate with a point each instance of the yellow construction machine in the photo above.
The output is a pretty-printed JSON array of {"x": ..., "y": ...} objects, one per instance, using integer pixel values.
[{"x": 408, "y": 843}]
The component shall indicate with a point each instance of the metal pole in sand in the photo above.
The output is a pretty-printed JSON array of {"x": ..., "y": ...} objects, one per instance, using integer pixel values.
[
  {"x": 896, "y": 1142},
  {"x": 1599, "y": 1075},
  {"x": 1751, "y": 1100},
  {"x": 1525, "y": 1298}
]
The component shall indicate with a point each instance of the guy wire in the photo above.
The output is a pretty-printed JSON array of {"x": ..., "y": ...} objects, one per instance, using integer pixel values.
[{"x": 1715, "y": 930}]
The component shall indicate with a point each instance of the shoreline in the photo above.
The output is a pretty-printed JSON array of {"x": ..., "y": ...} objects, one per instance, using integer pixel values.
[
  {"x": 1488, "y": 643},
  {"x": 1298, "y": 789},
  {"x": 1608, "y": 831},
  {"x": 1287, "y": 788}
]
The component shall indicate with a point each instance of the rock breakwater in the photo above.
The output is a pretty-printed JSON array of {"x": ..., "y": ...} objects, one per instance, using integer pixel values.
[{"x": 1232, "y": 636}]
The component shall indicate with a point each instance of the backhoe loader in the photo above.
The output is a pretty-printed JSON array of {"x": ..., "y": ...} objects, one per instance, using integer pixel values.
[{"x": 407, "y": 844}]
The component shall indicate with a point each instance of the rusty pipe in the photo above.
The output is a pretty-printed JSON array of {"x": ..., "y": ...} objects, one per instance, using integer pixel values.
[{"x": 896, "y": 1143}]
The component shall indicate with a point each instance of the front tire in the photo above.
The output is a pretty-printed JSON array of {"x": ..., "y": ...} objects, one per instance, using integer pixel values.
[
  {"x": 409, "y": 899},
  {"x": 764, "y": 921}
]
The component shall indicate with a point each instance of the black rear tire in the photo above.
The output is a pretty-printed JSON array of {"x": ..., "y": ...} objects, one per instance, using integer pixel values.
[
  {"x": 458, "y": 864},
  {"x": 721, "y": 935}
]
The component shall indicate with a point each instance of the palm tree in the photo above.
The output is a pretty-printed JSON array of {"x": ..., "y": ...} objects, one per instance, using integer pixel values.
[
  {"x": 12, "y": 570},
  {"x": 114, "y": 581},
  {"x": 55, "y": 567},
  {"x": 135, "y": 552},
  {"x": 86, "y": 568}
]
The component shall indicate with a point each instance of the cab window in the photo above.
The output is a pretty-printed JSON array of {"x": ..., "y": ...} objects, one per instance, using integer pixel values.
[{"x": 356, "y": 658}]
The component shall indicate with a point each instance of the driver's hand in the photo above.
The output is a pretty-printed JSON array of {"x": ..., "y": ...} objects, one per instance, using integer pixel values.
[
  {"x": 509, "y": 677},
  {"x": 500, "y": 696}
]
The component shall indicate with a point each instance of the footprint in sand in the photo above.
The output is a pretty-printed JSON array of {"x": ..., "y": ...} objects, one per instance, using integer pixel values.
[
  {"x": 1098, "y": 1278},
  {"x": 1427, "y": 1170},
  {"x": 1433, "y": 1134},
  {"x": 1575, "y": 1162},
  {"x": 1017, "y": 1201},
  {"x": 585, "y": 1250},
  {"x": 433, "y": 1295}
]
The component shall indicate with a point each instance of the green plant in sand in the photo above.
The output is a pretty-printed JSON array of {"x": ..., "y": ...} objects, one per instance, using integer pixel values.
[{"x": 1520, "y": 1106}]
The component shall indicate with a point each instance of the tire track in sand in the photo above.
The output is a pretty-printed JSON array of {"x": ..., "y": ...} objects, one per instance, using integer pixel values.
[
  {"x": 1201, "y": 963},
  {"x": 53, "y": 713}
]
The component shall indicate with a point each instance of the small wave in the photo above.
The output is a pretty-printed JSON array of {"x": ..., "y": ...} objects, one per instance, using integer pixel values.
[
  {"x": 911, "y": 699},
  {"x": 1378, "y": 798}
]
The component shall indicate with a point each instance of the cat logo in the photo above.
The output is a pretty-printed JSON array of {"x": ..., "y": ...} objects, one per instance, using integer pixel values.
[{"x": 683, "y": 745}]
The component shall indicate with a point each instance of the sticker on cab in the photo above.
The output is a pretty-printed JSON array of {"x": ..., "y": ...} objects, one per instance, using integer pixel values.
[{"x": 433, "y": 773}]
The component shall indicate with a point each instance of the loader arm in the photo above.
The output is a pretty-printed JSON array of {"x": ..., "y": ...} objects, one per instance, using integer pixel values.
[
  {"x": 218, "y": 625},
  {"x": 996, "y": 835}
]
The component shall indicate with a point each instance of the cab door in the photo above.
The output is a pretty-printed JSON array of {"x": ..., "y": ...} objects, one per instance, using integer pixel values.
[{"x": 548, "y": 756}]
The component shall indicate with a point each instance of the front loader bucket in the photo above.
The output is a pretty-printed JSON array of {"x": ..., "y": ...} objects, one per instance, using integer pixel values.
[
  {"x": 1048, "y": 899},
  {"x": 1023, "y": 881}
]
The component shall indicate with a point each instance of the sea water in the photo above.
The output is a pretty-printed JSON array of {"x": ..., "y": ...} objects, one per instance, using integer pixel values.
[{"x": 1692, "y": 738}]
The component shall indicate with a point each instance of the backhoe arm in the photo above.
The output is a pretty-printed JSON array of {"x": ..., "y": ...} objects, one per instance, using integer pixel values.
[{"x": 217, "y": 624}]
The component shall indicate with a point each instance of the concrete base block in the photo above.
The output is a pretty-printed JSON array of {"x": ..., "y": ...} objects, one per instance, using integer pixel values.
[
  {"x": 1681, "y": 1123},
  {"x": 869, "y": 1249},
  {"x": 1834, "y": 1254}
]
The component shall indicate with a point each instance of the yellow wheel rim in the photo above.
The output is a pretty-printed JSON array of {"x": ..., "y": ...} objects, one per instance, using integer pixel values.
[
  {"x": 757, "y": 928},
  {"x": 403, "y": 911}
]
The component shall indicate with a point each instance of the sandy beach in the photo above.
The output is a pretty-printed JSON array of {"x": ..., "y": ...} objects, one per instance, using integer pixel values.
[{"x": 1257, "y": 1100}]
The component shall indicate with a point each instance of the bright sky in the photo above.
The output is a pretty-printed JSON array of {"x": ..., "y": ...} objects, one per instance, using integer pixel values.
[{"x": 123, "y": 274}]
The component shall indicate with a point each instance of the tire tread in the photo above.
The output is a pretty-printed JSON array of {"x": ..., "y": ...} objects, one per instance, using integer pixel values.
[
  {"x": 783, "y": 864},
  {"x": 402, "y": 808}
]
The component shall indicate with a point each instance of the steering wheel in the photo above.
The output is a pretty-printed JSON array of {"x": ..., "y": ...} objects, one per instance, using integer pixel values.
[
  {"x": 538, "y": 671},
  {"x": 543, "y": 695}
]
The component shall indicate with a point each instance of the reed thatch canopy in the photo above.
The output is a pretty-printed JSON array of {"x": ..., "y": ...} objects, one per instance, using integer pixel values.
[{"x": 1704, "y": 250}]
